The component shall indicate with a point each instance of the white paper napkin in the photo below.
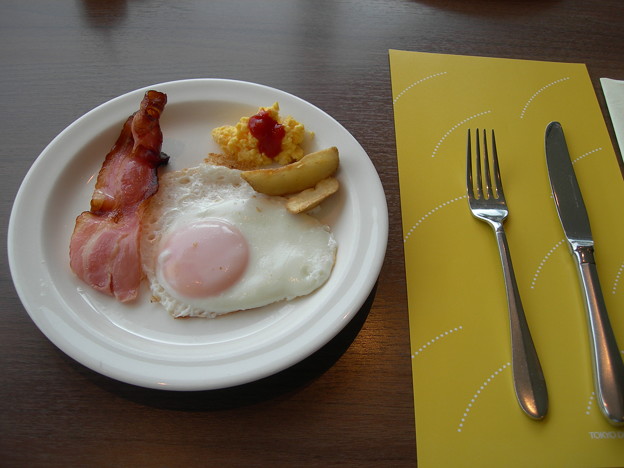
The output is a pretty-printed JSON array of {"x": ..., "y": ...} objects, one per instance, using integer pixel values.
[{"x": 614, "y": 95}]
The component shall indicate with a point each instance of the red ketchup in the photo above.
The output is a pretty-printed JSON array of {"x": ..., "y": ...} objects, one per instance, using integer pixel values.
[{"x": 268, "y": 132}]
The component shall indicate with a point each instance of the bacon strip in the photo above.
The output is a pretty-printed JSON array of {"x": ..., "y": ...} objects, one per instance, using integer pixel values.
[{"x": 104, "y": 248}]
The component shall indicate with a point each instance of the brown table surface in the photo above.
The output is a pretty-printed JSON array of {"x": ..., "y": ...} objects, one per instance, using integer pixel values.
[{"x": 350, "y": 404}]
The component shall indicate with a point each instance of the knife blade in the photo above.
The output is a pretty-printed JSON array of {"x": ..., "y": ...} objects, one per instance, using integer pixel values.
[{"x": 608, "y": 368}]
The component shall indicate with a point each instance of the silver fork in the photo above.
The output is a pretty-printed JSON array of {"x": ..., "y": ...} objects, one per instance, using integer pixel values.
[{"x": 487, "y": 203}]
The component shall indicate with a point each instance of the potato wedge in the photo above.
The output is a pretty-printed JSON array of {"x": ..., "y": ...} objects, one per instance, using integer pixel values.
[
  {"x": 294, "y": 177},
  {"x": 312, "y": 197}
]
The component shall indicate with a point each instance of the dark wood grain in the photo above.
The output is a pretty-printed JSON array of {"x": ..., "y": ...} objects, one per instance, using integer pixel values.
[{"x": 350, "y": 404}]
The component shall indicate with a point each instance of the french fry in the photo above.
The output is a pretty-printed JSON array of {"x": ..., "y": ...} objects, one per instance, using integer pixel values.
[
  {"x": 312, "y": 197},
  {"x": 294, "y": 177}
]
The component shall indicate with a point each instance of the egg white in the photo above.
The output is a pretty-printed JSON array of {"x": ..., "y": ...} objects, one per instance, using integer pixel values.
[{"x": 290, "y": 255}]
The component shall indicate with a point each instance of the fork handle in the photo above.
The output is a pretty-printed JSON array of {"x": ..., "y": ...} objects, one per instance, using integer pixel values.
[{"x": 528, "y": 377}]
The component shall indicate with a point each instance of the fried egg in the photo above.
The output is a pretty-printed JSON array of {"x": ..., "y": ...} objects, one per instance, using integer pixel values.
[{"x": 211, "y": 245}]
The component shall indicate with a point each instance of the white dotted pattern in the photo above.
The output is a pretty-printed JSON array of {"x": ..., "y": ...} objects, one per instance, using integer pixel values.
[
  {"x": 586, "y": 154},
  {"x": 590, "y": 403},
  {"x": 538, "y": 92},
  {"x": 416, "y": 83},
  {"x": 437, "y": 338},
  {"x": 476, "y": 395},
  {"x": 421, "y": 220},
  {"x": 616, "y": 282},
  {"x": 543, "y": 262},
  {"x": 455, "y": 127}
]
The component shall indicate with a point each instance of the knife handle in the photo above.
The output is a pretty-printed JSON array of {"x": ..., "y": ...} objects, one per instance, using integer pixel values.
[{"x": 606, "y": 358}]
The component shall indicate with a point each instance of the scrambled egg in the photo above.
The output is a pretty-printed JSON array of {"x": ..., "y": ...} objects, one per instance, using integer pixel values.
[{"x": 241, "y": 146}]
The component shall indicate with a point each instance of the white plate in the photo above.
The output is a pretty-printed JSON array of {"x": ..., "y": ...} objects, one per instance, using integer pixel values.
[{"x": 140, "y": 343}]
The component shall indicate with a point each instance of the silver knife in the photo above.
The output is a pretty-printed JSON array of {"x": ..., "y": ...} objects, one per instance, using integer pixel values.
[{"x": 607, "y": 363}]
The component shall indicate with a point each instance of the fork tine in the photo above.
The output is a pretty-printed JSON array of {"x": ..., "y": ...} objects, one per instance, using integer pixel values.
[
  {"x": 486, "y": 168},
  {"x": 497, "y": 175},
  {"x": 469, "y": 181},
  {"x": 478, "y": 161}
]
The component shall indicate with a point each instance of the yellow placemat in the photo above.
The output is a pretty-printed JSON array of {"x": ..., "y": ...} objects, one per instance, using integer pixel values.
[{"x": 466, "y": 410}]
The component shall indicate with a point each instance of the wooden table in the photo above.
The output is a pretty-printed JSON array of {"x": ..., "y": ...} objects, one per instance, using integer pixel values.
[{"x": 350, "y": 404}]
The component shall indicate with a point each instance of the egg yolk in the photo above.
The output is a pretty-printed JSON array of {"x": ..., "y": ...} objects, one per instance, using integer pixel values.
[{"x": 204, "y": 258}]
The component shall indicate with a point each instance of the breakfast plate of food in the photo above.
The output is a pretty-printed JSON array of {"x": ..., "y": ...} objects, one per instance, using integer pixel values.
[{"x": 197, "y": 234}]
